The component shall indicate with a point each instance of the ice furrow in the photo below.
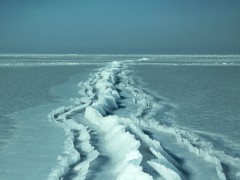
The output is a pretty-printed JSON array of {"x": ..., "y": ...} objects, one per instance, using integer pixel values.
[{"x": 78, "y": 154}]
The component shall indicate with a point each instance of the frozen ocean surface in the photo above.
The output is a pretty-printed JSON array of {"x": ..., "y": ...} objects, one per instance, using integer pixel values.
[
  {"x": 207, "y": 97},
  {"x": 119, "y": 117},
  {"x": 29, "y": 143}
]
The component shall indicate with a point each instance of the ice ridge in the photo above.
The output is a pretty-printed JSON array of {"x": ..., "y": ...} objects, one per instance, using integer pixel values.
[{"x": 111, "y": 133}]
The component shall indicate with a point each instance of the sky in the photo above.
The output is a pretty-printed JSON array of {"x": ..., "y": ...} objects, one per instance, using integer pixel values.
[{"x": 120, "y": 26}]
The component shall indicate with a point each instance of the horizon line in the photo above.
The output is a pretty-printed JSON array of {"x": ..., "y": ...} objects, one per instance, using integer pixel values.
[{"x": 113, "y": 54}]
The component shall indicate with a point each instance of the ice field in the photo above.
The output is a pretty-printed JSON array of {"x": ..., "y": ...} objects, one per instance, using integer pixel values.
[{"x": 119, "y": 117}]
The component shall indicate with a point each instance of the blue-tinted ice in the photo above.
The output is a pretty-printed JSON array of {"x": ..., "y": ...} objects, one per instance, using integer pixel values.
[{"x": 118, "y": 127}]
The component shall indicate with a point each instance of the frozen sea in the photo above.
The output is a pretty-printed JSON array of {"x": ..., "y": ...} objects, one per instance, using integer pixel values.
[{"x": 119, "y": 117}]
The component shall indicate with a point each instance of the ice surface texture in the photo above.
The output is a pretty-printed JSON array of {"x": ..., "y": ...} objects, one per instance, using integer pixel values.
[{"x": 111, "y": 133}]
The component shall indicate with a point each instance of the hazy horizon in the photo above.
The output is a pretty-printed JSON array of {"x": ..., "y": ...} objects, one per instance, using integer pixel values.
[{"x": 116, "y": 54}]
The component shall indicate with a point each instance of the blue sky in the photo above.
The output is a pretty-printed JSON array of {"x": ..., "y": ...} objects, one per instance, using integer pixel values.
[{"x": 123, "y": 26}]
